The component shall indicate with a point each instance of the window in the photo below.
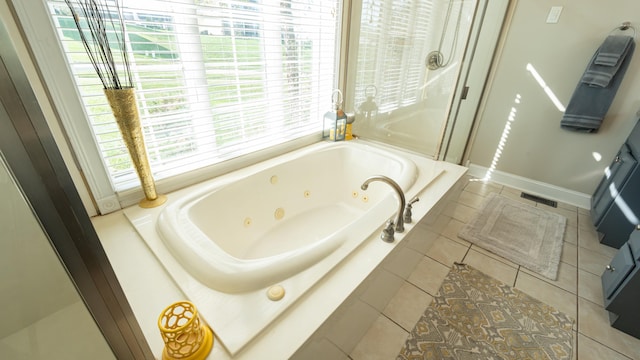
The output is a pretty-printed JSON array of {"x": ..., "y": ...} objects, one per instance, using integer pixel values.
[
  {"x": 214, "y": 79},
  {"x": 395, "y": 37}
]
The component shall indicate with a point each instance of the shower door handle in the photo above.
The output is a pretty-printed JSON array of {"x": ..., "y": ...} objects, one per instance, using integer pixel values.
[{"x": 465, "y": 91}]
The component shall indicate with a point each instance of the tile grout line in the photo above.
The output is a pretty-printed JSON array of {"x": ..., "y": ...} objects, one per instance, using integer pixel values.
[
  {"x": 440, "y": 262},
  {"x": 548, "y": 281},
  {"x": 496, "y": 258},
  {"x": 604, "y": 345},
  {"x": 591, "y": 302},
  {"x": 400, "y": 326},
  {"x": 466, "y": 254},
  {"x": 432, "y": 295},
  {"x": 336, "y": 346},
  {"x": 577, "y": 319}
]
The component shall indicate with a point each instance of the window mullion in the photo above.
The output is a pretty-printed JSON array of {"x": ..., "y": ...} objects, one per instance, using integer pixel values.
[
  {"x": 273, "y": 79},
  {"x": 194, "y": 72},
  {"x": 386, "y": 38},
  {"x": 409, "y": 48}
]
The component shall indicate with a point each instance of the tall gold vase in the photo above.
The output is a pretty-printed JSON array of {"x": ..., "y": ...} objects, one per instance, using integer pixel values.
[{"x": 125, "y": 110}]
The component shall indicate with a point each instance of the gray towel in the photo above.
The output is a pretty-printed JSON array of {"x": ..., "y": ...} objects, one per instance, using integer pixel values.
[
  {"x": 614, "y": 47},
  {"x": 589, "y": 104},
  {"x": 612, "y": 50}
]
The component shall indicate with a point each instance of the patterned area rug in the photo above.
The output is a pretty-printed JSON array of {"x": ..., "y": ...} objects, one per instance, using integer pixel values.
[
  {"x": 477, "y": 317},
  {"x": 527, "y": 235}
]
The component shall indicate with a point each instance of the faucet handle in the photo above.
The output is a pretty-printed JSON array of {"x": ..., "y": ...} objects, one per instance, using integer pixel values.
[
  {"x": 407, "y": 212},
  {"x": 387, "y": 232}
]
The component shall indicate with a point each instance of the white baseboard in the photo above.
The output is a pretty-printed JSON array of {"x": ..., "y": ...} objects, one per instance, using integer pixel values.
[{"x": 534, "y": 187}]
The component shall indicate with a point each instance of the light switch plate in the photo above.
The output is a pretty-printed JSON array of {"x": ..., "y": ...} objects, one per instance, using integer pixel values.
[{"x": 554, "y": 14}]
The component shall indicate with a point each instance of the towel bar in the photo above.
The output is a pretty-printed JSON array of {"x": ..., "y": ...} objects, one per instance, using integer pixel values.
[{"x": 624, "y": 27}]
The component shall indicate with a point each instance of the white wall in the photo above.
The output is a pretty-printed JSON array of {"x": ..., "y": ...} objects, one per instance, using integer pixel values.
[{"x": 537, "y": 148}]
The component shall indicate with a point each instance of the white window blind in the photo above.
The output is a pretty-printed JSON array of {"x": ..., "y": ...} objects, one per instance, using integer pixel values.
[
  {"x": 395, "y": 38},
  {"x": 214, "y": 79}
]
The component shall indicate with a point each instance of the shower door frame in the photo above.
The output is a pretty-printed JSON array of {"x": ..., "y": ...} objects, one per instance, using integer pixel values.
[{"x": 472, "y": 82}]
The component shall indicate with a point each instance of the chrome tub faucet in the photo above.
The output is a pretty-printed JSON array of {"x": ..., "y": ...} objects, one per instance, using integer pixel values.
[{"x": 387, "y": 234}]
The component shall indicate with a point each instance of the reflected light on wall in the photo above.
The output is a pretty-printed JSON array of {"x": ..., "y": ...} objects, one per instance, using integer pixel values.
[
  {"x": 503, "y": 139},
  {"x": 597, "y": 156},
  {"x": 547, "y": 90}
]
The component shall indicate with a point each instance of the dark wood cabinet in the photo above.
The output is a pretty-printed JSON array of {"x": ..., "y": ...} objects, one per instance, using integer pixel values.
[
  {"x": 621, "y": 286},
  {"x": 615, "y": 205}
]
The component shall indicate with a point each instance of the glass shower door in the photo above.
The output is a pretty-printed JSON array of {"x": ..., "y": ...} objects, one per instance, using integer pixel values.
[
  {"x": 43, "y": 317},
  {"x": 409, "y": 56}
]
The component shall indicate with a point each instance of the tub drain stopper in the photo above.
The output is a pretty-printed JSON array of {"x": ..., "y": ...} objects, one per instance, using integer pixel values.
[{"x": 275, "y": 293}]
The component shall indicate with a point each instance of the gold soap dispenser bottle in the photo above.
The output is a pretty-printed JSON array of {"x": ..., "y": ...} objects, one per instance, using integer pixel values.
[{"x": 335, "y": 120}]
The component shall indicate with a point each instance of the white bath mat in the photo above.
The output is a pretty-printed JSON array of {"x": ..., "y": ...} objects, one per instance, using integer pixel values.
[{"x": 527, "y": 235}]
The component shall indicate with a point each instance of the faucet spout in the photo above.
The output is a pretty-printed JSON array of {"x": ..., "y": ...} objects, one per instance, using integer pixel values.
[{"x": 399, "y": 220}]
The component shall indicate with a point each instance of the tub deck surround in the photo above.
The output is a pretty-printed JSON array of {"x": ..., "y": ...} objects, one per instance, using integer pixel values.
[{"x": 326, "y": 267}]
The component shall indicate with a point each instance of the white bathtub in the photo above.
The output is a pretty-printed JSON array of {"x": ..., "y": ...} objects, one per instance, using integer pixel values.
[
  {"x": 255, "y": 229},
  {"x": 288, "y": 221}
]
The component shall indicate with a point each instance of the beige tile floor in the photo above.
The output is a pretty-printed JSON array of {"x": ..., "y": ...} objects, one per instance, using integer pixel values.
[{"x": 577, "y": 291}]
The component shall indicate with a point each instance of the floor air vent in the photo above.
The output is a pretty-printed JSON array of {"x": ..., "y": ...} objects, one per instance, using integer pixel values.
[{"x": 539, "y": 199}]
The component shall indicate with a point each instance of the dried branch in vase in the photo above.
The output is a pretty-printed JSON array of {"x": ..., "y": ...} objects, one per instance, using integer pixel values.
[{"x": 103, "y": 38}]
